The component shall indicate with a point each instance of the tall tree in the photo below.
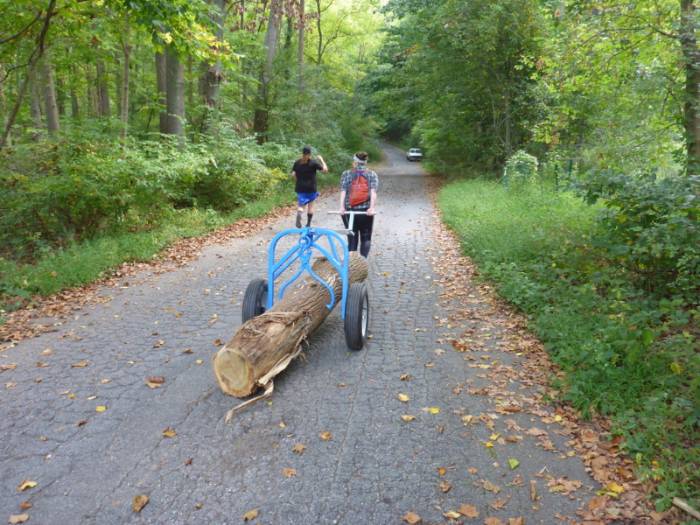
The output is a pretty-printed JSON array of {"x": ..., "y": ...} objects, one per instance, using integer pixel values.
[
  {"x": 300, "y": 44},
  {"x": 161, "y": 87},
  {"x": 175, "y": 92},
  {"x": 49, "y": 88},
  {"x": 103, "y": 106},
  {"x": 262, "y": 106},
  {"x": 691, "y": 57}
]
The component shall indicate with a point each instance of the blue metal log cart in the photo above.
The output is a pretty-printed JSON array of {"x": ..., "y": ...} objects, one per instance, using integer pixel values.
[{"x": 302, "y": 287}]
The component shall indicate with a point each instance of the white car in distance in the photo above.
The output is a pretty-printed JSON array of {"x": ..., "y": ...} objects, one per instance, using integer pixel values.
[{"x": 414, "y": 154}]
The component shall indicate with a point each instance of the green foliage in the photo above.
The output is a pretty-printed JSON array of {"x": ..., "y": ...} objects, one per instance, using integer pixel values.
[
  {"x": 461, "y": 77},
  {"x": 520, "y": 170},
  {"x": 85, "y": 186},
  {"x": 651, "y": 230},
  {"x": 626, "y": 353}
]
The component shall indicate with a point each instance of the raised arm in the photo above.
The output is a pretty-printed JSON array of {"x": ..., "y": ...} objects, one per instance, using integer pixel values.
[{"x": 324, "y": 166}]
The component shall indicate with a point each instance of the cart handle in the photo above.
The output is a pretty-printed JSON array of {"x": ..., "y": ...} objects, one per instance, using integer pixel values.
[{"x": 352, "y": 214}]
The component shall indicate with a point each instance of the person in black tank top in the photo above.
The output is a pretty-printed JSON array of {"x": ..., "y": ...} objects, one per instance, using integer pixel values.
[{"x": 304, "y": 171}]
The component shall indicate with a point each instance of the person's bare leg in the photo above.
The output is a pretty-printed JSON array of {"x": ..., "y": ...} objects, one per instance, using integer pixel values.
[
  {"x": 309, "y": 213},
  {"x": 300, "y": 210}
]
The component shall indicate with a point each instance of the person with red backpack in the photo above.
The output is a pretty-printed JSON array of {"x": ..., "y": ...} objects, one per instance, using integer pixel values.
[{"x": 358, "y": 192}]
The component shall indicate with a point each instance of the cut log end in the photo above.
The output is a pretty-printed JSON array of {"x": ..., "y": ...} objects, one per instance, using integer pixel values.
[{"x": 234, "y": 373}]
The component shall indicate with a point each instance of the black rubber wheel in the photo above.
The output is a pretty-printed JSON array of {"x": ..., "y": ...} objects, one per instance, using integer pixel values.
[
  {"x": 357, "y": 316},
  {"x": 255, "y": 299}
]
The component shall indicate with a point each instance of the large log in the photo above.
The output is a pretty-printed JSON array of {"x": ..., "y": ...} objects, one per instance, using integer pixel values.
[{"x": 266, "y": 344}]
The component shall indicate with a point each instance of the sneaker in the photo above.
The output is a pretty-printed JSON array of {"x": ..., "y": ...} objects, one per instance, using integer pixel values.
[{"x": 298, "y": 220}]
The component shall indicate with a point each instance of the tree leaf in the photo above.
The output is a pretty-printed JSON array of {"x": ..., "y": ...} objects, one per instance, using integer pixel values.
[
  {"x": 513, "y": 463},
  {"x": 18, "y": 518},
  {"x": 326, "y": 435},
  {"x": 26, "y": 485},
  {"x": 468, "y": 511},
  {"x": 408, "y": 418},
  {"x": 412, "y": 518},
  {"x": 298, "y": 449},
  {"x": 169, "y": 432},
  {"x": 452, "y": 514},
  {"x": 100, "y": 408},
  {"x": 139, "y": 502},
  {"x": 289, "y": 472},
  {"x": 250, "y": 515},
  {"x": 403, "y": 398}
]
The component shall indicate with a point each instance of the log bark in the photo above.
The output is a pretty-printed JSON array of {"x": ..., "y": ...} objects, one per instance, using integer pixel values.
[{"x": 266, "y": 341}]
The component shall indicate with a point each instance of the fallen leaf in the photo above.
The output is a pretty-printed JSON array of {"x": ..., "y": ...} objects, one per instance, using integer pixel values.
[
  {"x": 298, "y": 449},
  {"x": 533, "y": 490},
  {"x": 250, "y": 515},
  {"x": 139, "y": 502},
  {"x": 467, "y": 419},
  {"x": 445, "y": 487},
  {"x": 563, "y": 485},
  {"x": 18, "y": 518},
  {"x": 155, "y": 381},
  {"x": 326, "y": 436},
  {"x": 412, "y": 518},
  {"x": 26, "y": 485},
  {"x": 491, "y": 487},
  {"x": 452, "y": 514},
  {"x": 516, "y": 521},
  {"x": 513, "y": 463},
  {"x": 534, "y": 431},
  {"x": 11, "y": 366},
  {"x": 159, "y": 343},
  {"x": 403, "y": 398},
  {"x": 199, "y": 361},
  {"x": 100, "y": 408},
  {"x": 289, "y": 472},
  {"x": 188, "y": 351},
  {"x": 494, "y": 436},
  {"x": 81, "y": 423},
  {"x": 468, "y": 511},
  {"x": 91, "y": 398},
  {"x": 188, "y": 461},
  {"x": 105, "y": 381},
  {"x": 198, "y": 505},
  {"x": 407, "y": 418},
  {"x": 472, "y": 470},
  {"x": 80, "y": 364},
  {"x": 169, "y": 432},
  {"x": 441, "y": 471},
  {"x": 499, "y": 504},
  {"x": 612, "y": 489},
  {"x": 405, "y": 377},
  {"x": 218, "y": 342},
  {"x": 25, "y": 505},
  {"x": 433, "y": 410},
  {"x": 492, "y": 521}
]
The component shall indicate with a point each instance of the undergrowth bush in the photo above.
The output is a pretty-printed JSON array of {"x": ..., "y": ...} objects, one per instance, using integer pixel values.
[{"x": 53, "y": 194}]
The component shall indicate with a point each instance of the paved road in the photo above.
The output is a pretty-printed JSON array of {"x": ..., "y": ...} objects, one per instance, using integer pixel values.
[{"x": 373, "y": 470}]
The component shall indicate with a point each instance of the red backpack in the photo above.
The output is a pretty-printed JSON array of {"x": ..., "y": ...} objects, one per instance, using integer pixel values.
[{"x": 359, "y": 189}]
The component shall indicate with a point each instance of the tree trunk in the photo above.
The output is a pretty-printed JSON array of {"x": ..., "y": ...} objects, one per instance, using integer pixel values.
[
  {"x": 74, "y": 105},
  {"x": 264, "y": 342},
  {"x": 319, "y": 51},
  {"x": 300, "y": 50},
  {"x": 51, "y": 109},
  {"x": 103, "y": 109},
  {"x": 161, "y": 84},
  {"x": 124, "y": 104},
  {"x": 60, "y": 96},
  {"x": 35, "y": 104},
  {"x": 262, "y": 106},
  {"x": 691, "y": 57},
  {"x": 175, "y": 93},
  {"x": 118, "y": 83},
  {"x": 212, "y": 73}
]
